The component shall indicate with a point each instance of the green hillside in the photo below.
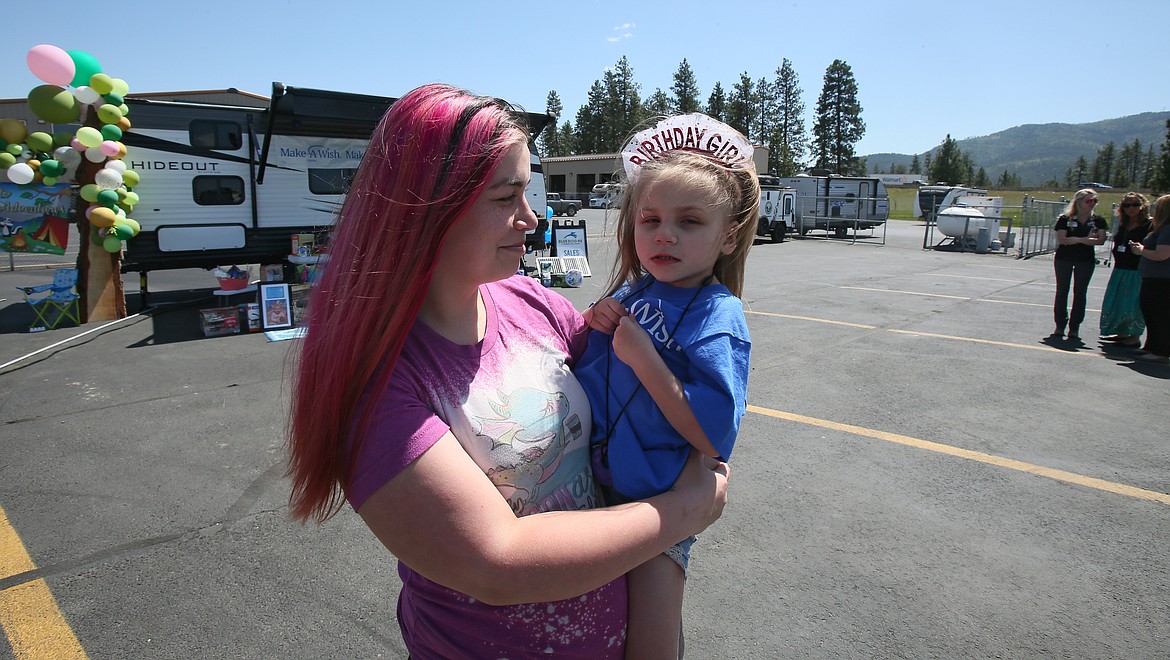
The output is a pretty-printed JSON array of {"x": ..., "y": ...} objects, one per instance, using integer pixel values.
[{"x": 1040, "y": 152}]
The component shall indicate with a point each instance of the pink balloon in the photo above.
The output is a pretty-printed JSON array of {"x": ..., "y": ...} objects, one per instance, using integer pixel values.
[
  {"x": 76, "y": 144},
  {"x": 109, "y": 148},
  {"x": 51, "y": 64}
]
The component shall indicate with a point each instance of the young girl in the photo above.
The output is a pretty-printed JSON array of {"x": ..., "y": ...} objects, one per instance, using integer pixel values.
[{"x": 672, "y": 379}]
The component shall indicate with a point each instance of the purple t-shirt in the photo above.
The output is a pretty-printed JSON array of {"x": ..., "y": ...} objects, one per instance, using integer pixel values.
[{"x": 521, "y": 415}]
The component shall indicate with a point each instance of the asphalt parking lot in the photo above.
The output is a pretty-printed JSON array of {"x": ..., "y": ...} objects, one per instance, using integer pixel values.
[{"x": 919, "y": 475}]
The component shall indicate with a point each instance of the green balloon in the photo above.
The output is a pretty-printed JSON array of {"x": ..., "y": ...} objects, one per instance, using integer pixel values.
[
  {"x": 62, "y": 138},
  {"x": 123, "y": 231},
  {"x": 7, "y": 160},
  {"x": 51, "y": 168},
  {"x": 87, "y": 66},
  {"x": 108, "y": 198},
  {"x": 114, "y": 98},
  {"x": 42, "y": 142},
  {"x": 14, "y": 149},
  {"x": 89, "y": 192},
  {"x": 131, "y": 178},
  {"x": 112, "y": 243},
  {"x": 111, "y": 132},
  {"x": 54, "y": 104},
  {"x": 109, "y": 114}
]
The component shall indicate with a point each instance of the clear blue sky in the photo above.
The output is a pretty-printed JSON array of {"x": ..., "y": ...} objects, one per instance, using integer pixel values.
[{"x": 924, "y": 69}]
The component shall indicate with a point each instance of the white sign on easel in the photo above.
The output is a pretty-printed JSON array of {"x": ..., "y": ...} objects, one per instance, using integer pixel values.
[{"x": 569, "y": 238}]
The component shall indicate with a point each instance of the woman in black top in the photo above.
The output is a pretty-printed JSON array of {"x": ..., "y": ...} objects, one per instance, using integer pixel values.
[
  {"x": 1121, "y": 315},
  {"x": 1078, "y": 232},
  {"x": 1154, "y": 267}
]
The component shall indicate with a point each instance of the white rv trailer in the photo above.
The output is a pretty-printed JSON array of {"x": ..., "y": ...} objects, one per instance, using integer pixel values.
[
  {"x": 777, "y": 209},
  {"x": 836, "y": 204},
  {"x": 231, "y": 185}
]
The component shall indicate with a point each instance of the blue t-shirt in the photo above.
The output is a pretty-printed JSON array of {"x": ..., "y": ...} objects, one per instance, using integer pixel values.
[{"x": 708, "y": 353}]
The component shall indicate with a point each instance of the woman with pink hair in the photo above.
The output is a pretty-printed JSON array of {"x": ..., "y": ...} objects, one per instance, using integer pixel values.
[{"x": 434, "y": 395}]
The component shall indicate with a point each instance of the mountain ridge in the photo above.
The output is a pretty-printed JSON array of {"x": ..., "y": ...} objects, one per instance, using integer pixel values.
[{"x": 1039, "y": 152}]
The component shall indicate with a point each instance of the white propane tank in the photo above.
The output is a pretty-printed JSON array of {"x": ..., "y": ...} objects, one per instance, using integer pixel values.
[{"x": 954, "y": 219}]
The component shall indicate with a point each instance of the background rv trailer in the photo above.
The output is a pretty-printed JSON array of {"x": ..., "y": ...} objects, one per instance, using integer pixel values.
[
  {"x": 834, "y": 203},
  {"x": 777, "y": 209},
  {"x": 231, "y": 185}
]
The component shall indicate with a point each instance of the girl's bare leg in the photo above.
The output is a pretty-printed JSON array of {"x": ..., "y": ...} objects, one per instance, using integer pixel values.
[{"x": 655, "y": 609}]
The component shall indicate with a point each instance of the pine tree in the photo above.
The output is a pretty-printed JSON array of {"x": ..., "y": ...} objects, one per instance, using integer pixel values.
[
  {"x": 789, "y": 139},
  {"x": 685, "y": 90},
  {"x": 1160, "y": 181},
  {"x": 548, "y": 144},
  {"x": 981, "y": 179},
  {"x": 948, "y": 165},
  {"x": 741, "y": 105},
  {"x": 567, "y": 139},
  {"x": 838, "y": 125},
  {"x": 915, "y": 165},
  {"x": 590, "y": 120},
  {"x": 1104, "y": 163},
  {"x": 764, "y": 123},
  {"x": 717, "y": 103},
  {"x": 658, "y": 104},
  {"x": 623, "y": 106}
]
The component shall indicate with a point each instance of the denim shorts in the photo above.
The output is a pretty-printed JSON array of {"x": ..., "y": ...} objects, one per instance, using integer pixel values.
[{"x": 679, "y": 552}]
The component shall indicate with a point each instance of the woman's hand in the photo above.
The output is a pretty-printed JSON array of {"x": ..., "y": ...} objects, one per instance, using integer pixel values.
[{"x": 703, "y": 484}]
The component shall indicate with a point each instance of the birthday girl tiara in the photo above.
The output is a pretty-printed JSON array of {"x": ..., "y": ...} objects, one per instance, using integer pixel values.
[{"x": 693, "y": 132}]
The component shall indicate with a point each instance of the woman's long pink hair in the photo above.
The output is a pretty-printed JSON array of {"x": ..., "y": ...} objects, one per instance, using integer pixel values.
[{"x": 427, "y": 161}]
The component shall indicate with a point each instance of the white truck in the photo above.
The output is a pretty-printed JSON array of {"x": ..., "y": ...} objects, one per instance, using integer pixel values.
[{"x": 232, "y": 185}]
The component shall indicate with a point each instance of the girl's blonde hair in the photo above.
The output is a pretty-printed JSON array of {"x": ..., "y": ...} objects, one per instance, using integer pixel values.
[{"x": 737, "y": 190}]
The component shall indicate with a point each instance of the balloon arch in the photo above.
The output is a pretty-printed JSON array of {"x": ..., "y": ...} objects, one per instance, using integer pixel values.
[{"x": 77, "y": 92}]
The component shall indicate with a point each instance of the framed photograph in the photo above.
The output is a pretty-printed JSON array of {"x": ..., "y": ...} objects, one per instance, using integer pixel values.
[
  {"x": 272, "y": 273},
  {"x": 275, "y": 306}
]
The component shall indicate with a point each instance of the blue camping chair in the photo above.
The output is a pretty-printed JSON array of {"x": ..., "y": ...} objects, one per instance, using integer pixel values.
[{"x": 61, "y": 303}]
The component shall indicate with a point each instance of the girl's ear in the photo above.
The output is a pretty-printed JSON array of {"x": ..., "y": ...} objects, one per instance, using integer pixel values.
[{"x": 729, "y": 241}]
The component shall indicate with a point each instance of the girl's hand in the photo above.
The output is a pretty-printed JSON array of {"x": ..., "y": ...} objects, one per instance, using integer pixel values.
[
  {"x": 631, "y": 342},
  {"x": 605, "y": 315}
]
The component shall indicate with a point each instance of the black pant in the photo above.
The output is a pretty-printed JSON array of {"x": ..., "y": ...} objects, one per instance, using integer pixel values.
[
  {"x": 1078, "y": 273},
  {"x": 1155, "y": 301}
]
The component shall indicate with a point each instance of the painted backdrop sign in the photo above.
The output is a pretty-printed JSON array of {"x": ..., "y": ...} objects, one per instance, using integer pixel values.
[{"x": 32, "y": 218}]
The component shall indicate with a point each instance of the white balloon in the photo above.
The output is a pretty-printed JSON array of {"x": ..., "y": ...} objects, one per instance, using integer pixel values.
[
  {"x": 117, "y": 165},
  {"x": 94, "y": 155},
  {"x": 21, "y": 173},
  {"x": 107, "y": 179},
  {"x": 86, "y": 95},
  {"x": 67, "y": 156}
]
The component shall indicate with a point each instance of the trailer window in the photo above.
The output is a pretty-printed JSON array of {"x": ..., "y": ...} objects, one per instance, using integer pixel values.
[
  {"x": 330, "y": 181},
  {"x": 216, "y": 134},
  {"x": 218, "y": 190}
]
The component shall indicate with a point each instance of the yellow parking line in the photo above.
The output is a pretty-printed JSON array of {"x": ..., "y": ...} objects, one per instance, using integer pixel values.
[
  {"x": 1011, "y": 464},
  {"x": 943, "y": 295},
  {"x": 896, "y": 331},
  {"x": 814, "y": 319},
  {"x": 28, "y": 612}
]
